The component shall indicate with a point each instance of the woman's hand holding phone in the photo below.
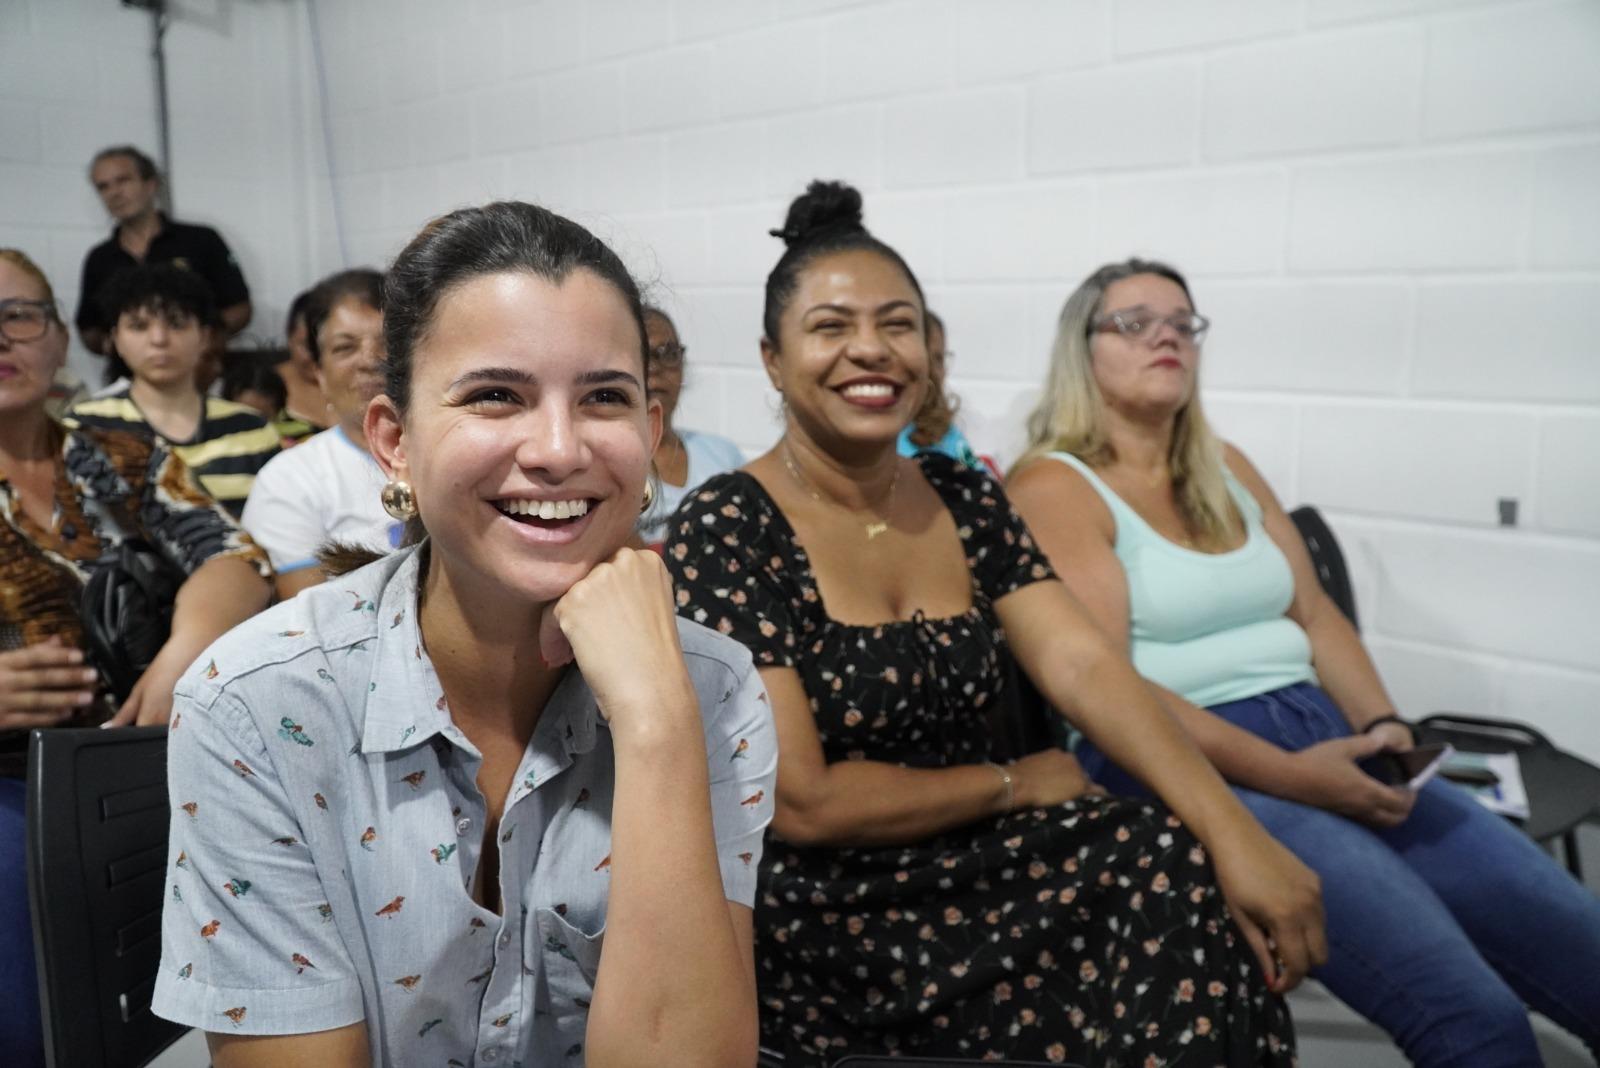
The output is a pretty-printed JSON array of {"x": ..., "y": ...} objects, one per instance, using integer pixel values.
[
  {"x": 1328, "y": 776},
  {"x": 1409, "y": 770}
]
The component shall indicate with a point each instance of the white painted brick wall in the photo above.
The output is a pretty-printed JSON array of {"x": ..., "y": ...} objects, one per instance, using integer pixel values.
[
  {"x": 1448, "y": 212},
  {"x": 1388, "y": 207},
  {"x": 1322, "y": 336},
  {"x": 1153, "y": 124},
  {"x": 1329, "y": 91},
  {"x": 1529, "y": 67},
  {"x": 1566, "y": 213},
  {"x": 1164, "y": 25},
  {"x": 1567, "y": 492},
  {"x": 1365, "y": 458},
  {"x": 980, "y": 138},
  {"x": 1509, "y": 339}
]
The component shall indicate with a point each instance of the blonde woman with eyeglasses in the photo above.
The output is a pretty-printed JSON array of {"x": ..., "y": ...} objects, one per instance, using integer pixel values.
[{"x": 1442, "y": 919}]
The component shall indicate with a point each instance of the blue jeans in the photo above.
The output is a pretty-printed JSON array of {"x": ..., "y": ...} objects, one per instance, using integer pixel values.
[
  {"x": 21, "y": 1032},
  {"x": 1440, "y": 929}
]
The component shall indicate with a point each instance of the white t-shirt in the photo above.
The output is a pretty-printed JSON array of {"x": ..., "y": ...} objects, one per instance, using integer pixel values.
[
  {"x": 708, "y": 455},
  {"x": 324, "y": 489}
]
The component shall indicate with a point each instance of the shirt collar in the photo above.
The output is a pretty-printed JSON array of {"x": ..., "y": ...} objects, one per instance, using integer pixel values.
[
  {"x": 405, "y": 702},
  {"x": 415, "y": 709}
]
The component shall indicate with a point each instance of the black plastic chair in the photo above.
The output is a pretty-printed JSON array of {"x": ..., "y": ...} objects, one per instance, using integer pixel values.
[
  {"x": 97, "y": 852},
  {"x": 1563, "y": 790}
]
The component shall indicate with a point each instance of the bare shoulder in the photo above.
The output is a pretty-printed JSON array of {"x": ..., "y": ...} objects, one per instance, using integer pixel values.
[{"x": 1045, "y": 487}]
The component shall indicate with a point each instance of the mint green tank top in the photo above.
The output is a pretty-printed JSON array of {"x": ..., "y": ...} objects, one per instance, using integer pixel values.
[{"x": 1209, "y": 626}]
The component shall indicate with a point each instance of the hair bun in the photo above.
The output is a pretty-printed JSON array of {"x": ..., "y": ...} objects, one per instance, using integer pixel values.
[{"x": 825, "y": 207}]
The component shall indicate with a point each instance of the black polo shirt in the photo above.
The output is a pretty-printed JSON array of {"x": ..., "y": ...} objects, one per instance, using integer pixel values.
[{"x": 199, "y": 248}]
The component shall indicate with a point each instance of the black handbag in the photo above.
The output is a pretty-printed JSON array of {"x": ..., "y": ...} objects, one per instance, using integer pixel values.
[{"x": 126, "y": 608}]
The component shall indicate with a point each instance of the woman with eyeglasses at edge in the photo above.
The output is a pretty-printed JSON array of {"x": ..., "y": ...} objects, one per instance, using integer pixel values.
[
  {"x": 685, "y": 458},
  {"x": 1442, "y": 918},
  {"x": 49, "y": 547},
  {"x": 919, "y": 898},
  {"x": 486, "y": 799}
]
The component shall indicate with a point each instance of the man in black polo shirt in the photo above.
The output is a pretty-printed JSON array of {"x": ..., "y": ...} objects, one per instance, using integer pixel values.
[{"x": 127, "y": 182}]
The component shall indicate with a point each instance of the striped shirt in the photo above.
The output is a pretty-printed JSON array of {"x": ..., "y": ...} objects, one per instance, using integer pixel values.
[
  {"x": 293, "y": 429},
  {"x": 229, "y": 446}
]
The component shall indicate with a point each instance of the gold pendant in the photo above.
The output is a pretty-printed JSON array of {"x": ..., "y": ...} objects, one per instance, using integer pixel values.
[{"x": 874, "y": 529}]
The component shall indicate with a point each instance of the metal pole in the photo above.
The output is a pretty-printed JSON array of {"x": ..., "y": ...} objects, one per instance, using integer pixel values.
[{"x": 158, "y": 24}]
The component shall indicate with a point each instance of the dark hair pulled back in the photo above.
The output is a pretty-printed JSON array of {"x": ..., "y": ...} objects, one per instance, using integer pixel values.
[
  {"x": 506, "y": 236},
  {"x": 825, "y": 219}
]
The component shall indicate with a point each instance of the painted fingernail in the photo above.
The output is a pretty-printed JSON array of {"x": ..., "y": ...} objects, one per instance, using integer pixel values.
[
  {"x": 89, "y": 675},
  {"x": 84, "y": 698}
]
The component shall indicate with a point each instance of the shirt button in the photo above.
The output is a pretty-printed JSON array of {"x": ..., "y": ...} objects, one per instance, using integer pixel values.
[
  {"x": 463, "y": 825},
  {"x": 505, "y": 939}
]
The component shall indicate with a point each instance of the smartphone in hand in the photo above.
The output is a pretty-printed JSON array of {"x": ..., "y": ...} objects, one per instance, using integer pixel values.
[{"x": 1411, "y": 769}]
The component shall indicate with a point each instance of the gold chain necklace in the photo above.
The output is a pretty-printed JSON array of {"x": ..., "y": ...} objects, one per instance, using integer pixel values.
[{"x": 879, "y": 525}]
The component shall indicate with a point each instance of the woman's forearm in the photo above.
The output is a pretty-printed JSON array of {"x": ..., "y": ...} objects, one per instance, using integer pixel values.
[
  {"x": 1120, "y": 713},
  {"x": 1240, "y": 756},
  {"x": 869, "y": 803},
  {"x": 1345, "y": 669},
  {"x": 675, "y": 987}
]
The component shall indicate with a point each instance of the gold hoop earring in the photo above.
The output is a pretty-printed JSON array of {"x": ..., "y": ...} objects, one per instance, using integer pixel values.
[
  {"x": 649, "y": 494},
  {"x": 398, "y": 499}
]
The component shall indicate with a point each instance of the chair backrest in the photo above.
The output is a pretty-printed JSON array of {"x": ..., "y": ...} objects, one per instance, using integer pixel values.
[
  {"x": 97, "y": 856},
  {"x": 1327, "y": 558}
]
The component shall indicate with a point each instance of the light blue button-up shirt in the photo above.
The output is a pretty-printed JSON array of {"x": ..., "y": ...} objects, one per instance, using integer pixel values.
[{"x": 327, "y": 829}]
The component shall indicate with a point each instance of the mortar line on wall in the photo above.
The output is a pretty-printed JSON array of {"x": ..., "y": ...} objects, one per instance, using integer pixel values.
[
  {"x": 1519, "y": 537},
  {"x": 1390, "y": 402},
  {"x": 1499, "y": 660}
]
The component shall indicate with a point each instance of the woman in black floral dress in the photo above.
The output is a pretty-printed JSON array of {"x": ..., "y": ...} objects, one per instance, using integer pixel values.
[{"x": 920, "y": 898}]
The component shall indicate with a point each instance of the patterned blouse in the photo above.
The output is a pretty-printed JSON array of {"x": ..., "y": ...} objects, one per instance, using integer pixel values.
[
  {"x": 148, "y": 490},
  {"x": 327, "y": 832}
]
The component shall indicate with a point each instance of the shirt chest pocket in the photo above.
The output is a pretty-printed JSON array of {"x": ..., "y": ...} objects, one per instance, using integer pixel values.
[{"x": 569, "y": 960}]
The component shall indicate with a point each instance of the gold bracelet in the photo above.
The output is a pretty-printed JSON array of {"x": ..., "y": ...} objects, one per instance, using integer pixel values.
[{"x": 1005, "y": 779}]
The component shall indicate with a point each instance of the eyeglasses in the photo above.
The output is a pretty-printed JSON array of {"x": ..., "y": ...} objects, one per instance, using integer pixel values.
[
  {"x": 668, "y": 356},
  {"x": 25, "y": 320},
  {"x": 1138, "y": 323}
]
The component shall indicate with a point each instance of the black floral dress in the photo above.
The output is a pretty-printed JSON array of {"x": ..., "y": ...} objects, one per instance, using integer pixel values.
[{"x": 1092, "y": 932}]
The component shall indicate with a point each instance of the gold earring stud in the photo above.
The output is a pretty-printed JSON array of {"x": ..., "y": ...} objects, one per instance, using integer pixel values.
[{"x": 398, "y": 499}]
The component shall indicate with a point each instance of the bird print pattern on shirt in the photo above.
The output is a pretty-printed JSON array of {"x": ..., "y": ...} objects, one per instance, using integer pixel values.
[{"x": 290, "y": 811}]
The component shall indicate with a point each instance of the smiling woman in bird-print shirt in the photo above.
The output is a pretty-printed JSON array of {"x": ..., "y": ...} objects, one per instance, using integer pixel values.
[{"x": 404, "y": 830}]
